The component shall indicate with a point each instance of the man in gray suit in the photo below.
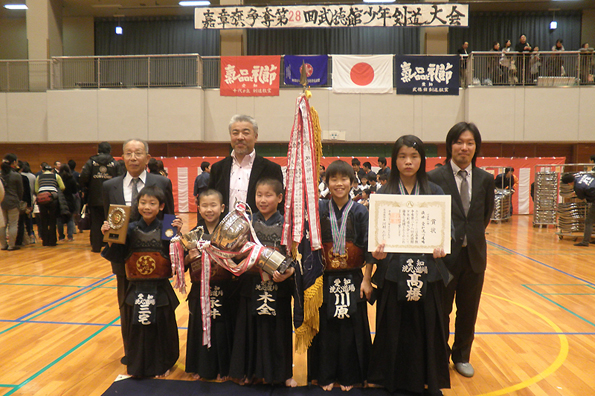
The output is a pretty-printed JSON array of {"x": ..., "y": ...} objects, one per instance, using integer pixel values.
[
  {"x": 472, "y": 192},
  {"x": 235, "y": 176},
  {"x": 121, "y": 190}
]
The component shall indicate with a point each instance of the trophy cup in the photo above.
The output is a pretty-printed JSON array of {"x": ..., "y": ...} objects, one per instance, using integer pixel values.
[{"x": 234, "y": 231}]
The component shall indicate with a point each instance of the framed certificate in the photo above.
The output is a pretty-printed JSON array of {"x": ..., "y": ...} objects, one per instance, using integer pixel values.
[
  {"x": 118, "y": 218},
  {"x": 409, "y": 223}
]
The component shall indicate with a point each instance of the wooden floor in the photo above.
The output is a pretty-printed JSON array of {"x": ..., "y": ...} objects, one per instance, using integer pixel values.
[{"x": 535, "y": 334}]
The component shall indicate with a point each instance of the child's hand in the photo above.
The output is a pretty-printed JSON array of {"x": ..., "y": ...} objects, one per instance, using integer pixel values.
[
  {"x": 105, "y": 227},
  {"x": 379, "y": 253},
  {"x": 278, "y": 277},
  {"x": 439, "y": 252},
  {"x": 178, "y": 223},
  {"x": 366, "y": 289},
  {"x": 193, "y": 255}
]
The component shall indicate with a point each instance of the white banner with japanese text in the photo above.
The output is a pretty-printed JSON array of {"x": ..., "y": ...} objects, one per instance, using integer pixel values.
[
  {"x": 250, "y": 75},
  {"x": 325, "y": 16}
]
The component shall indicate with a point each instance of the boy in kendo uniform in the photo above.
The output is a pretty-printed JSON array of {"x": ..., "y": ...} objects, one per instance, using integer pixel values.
[
  {"x": 262, "y": 350},
  {"x": 340, "y": 351},
  {"x": 153, "y": 343},
  {"x": 203, "y": 362}
]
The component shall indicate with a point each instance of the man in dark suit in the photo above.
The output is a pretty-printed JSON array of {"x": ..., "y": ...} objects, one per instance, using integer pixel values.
[
  {"x": 472, "y": 192},
  {"x": 123, "y": 190},
  {"x": 235, "y": 176}
]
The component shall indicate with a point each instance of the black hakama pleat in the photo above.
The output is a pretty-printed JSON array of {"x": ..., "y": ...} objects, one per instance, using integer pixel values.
[
  {"x": 262, "y": 346},
  {"x": 153, "y": 349},
  {"x": 213, "y": 361},
  {"x": 340, "y": 352},
  {"x": 409, "y": 349}
]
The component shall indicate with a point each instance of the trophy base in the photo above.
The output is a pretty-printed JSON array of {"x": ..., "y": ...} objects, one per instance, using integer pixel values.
[{"x": 271, "y": 261}]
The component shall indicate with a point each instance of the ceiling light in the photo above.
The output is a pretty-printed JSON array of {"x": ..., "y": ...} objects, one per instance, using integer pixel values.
[
  {"x": 15, "y": 6},
  {"x": 194, "y": 3}
]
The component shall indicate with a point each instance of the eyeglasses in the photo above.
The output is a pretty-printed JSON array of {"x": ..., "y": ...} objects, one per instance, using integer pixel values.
[{"x": 135, "y": 154}]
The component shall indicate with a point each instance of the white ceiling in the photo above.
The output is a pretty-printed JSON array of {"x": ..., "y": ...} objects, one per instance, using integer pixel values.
[{"x": 106, "y": 8}]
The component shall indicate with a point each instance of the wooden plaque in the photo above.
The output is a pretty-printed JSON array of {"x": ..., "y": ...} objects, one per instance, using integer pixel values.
[{"x": 118, "y": 219}]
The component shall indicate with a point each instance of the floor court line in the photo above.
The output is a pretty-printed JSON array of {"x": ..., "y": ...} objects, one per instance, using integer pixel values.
[
  {"x": 539, "y": 262},
  {"x": 90, "y": 287},
  {"x": 52, "y": 276},
  {"x": 560, "y": 306},
  {"x": 57, "y": 360}
]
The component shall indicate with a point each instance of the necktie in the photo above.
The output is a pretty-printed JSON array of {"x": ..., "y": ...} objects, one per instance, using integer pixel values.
[
  {"x": 464, "y": 191},
  {"x": 134, "y": 191}
]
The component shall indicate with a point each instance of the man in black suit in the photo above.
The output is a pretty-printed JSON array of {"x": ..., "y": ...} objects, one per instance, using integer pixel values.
[
  {"x": 235, "y": 176},
  {"x": 472, "y": 192},
  {"x": 122, "y": 190}
]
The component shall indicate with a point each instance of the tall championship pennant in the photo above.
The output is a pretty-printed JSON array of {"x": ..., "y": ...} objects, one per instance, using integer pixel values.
[{"x": 301, "y": 213}]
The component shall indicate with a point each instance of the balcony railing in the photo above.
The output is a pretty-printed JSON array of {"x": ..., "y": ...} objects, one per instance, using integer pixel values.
[
  {"x": 138, "y": 71},
  {"x": 544, "y": 68},
  {"x": 24, "y": 75}
]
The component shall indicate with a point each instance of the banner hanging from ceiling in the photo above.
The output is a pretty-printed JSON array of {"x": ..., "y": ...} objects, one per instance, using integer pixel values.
[{"x": 325, "y": 16}]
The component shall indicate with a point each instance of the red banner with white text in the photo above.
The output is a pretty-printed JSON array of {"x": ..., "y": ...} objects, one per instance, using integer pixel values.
[{"x": 250, "y": 75}]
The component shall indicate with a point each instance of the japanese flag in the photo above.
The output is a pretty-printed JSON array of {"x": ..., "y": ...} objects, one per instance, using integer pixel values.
[{"x": 362, "y": 73}]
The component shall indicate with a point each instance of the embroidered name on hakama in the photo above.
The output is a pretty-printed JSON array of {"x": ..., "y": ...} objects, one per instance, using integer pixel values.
[{"x": 144, "y": 309}]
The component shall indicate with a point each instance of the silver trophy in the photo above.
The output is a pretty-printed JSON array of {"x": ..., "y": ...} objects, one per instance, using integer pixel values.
[{"x": 234, "y": 231}]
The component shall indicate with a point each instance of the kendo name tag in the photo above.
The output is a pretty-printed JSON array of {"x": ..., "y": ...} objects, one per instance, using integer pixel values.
[
  {"x": 413, "y": 278},
  {"x": 341, "y": 299},
  {"x": 118, "y": 218},
  {"x": 144, "y": 309}
]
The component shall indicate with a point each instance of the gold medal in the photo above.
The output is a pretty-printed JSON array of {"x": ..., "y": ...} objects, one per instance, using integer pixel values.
[{"x": 169, "y": 233}]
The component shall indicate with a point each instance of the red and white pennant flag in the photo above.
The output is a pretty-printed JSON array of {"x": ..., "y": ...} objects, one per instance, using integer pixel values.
[{"x": 363, "y": 74}]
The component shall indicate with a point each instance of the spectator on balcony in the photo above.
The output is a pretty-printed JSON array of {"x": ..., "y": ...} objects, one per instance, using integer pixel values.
[
  {"x": 534, "y": 65},
  {"x": 586, "y": 57},
  {"x": 494, "y": 69},
  {"x": 507, "y": 61},
  {"x": 558, "y": 46},
  {"x": 522, "y": 64},
  {"x": 463, "y": 54}
]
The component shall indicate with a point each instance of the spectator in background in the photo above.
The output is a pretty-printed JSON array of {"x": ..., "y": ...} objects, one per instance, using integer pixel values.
[
  {"x": 77, "y": 197},
  {"x": 534, "y": 65},
  {"x": 201, "y": 183},
  {"x": 70, "y": 190},
  {"x": 558, "y": 46},
  {"x": 586, "y": 57},
  {"x": 121, "y": 167},
  {"x": 494, "y": 70},
  {"x": 24, "y": 210},
  {"x": 463, "y": 54},
  {"x": 26, "y": 171},
  {"x": 97, "y": 170},
  {"x": 384, "y": 170},
  {"x": 355, "y": 164},
  {"x": 13, "y": 194},
  {"x": 382, "y": 180},
  {"x": 161, "y": 168},
  {"x": 72, "y": 166},
  {"x": 584, "y": 187},
  {"x": 57, "y": 166},
  {"x": 523, "y": 60},
  {"x": 372, "y": 180},
  {"x": 153, "y": 166},
  {"x": 41, "y": 168},
  {"x": 48, "y": 182},
  {"x": 507, "y": 62},
  {"x": 507, "y": 181}
]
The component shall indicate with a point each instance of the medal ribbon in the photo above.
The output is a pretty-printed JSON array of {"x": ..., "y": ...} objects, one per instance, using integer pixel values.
[
  {"x": 339, "y": 233},
  {"x": 403, "y": 190},
  {"x": 176, "y": 255}
]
